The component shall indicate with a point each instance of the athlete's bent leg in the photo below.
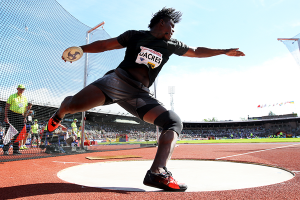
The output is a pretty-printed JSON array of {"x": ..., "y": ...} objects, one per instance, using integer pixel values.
[
  {"x": 158, "y": 176},
  {"x": 167, "y": 140},
  {"x": 89, "y": 97}
]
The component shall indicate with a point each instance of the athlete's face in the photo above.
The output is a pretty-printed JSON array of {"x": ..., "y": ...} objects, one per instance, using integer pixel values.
[{"x": 168, "y": 28}]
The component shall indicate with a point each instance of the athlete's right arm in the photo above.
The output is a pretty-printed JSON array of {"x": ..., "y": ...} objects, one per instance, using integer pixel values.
[{"x": 102, "y": 45}]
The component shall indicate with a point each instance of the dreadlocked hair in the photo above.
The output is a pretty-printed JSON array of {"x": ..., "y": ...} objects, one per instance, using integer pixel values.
[{"x": 164, "y": 13}]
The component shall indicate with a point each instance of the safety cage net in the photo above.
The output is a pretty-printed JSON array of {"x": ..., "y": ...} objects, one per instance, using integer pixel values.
[{"x": 35, "y": 80}]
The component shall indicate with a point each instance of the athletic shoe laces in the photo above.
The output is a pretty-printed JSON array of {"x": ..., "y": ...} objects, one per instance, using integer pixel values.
[{"x": 171, "y": 181}]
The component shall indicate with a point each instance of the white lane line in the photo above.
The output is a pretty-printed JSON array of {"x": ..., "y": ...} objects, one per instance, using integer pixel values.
[
  {"x": 68, "y": 162},
  {"x": 256, "y": 151}
]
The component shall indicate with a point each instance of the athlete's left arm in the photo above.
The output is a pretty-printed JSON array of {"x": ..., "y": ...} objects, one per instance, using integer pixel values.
[{"x": 203, "y": 52}]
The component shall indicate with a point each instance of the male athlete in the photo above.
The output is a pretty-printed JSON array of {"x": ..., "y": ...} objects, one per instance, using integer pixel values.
[{"x": 127, "y": 85}]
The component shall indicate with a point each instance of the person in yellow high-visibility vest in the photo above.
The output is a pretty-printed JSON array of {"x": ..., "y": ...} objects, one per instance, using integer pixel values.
[
  {"x": 75, "y": 131},
  {"x": 34, "y": 133},
  {"x": 15, "y": 109}
]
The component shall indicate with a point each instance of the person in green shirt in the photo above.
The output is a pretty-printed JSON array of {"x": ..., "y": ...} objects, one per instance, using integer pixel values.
[
  {"x": 15, "y": 109},
  {"x": 74, "y": 127},
  {"x": 281, "y": 135},
  {"x": 75, "y": 130},
  {"x": 34, "y": 133}
]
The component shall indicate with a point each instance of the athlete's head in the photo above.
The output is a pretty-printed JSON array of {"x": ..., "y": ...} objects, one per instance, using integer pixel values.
[{"x": 166, "y": 18}]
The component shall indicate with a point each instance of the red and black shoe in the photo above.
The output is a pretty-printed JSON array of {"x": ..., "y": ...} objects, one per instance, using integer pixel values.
[
  {"x": 53, "y": 122},
  {"x": 163, "y": 181}
]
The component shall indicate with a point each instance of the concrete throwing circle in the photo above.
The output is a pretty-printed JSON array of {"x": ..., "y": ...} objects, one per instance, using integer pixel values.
[{"x": 198, "y": 175}]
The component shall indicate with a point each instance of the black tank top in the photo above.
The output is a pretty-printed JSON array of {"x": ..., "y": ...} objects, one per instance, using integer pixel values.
[{"x": 143, "y": 49}]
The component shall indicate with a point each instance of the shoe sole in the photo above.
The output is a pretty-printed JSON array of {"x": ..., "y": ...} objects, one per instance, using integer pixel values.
[{"x": 164, "y": 187}]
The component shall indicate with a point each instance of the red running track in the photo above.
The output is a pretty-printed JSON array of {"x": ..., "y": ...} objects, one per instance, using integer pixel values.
[{"x": 37, "y": 179}]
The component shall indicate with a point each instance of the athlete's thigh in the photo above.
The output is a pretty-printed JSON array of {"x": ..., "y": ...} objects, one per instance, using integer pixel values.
[
  {"x": 148, "y": 113},
  {"x": 144, "y": 107},
  {"x": 89, "y": 97}
]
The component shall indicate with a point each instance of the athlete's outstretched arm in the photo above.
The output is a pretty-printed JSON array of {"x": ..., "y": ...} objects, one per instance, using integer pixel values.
[
  {"x": 102, "y": 45},
  {"x": 202, "y": 52}
]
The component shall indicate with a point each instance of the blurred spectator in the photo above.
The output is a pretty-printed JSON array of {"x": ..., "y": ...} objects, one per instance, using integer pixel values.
[{"x": 34, "y": 133}]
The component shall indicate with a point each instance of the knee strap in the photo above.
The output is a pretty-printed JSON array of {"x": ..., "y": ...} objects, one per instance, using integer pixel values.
[{"x": 169, "y": 120}]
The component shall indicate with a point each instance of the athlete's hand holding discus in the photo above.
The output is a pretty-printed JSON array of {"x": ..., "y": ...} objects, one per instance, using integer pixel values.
[{"x": 72, "y": 54}]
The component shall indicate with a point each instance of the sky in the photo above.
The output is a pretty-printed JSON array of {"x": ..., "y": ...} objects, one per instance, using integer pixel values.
[{"x": 226, "y": 88}]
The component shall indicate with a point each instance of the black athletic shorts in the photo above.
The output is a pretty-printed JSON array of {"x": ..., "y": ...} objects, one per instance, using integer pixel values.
[
  {"x": 120, "y": 87},
  {"x": 34, "y": 135}
]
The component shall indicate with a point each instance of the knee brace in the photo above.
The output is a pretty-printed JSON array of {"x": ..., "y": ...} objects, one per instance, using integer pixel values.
[{"x": 169, "y": 120}]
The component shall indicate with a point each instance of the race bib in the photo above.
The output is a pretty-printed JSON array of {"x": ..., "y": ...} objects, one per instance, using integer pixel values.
[{"x": 149, "y": 57}]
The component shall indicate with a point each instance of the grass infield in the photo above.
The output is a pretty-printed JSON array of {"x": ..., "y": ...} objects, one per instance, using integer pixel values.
[
  {"x": 117, "y": 143},
  {"x": 258, "y": 140}
]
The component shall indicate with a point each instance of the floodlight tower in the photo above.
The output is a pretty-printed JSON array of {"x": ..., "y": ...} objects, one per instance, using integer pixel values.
[{"x": 171, "y": 92}]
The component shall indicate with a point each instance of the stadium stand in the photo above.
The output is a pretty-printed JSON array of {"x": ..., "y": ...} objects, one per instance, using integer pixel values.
[{"x": 265, "y": 127}]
